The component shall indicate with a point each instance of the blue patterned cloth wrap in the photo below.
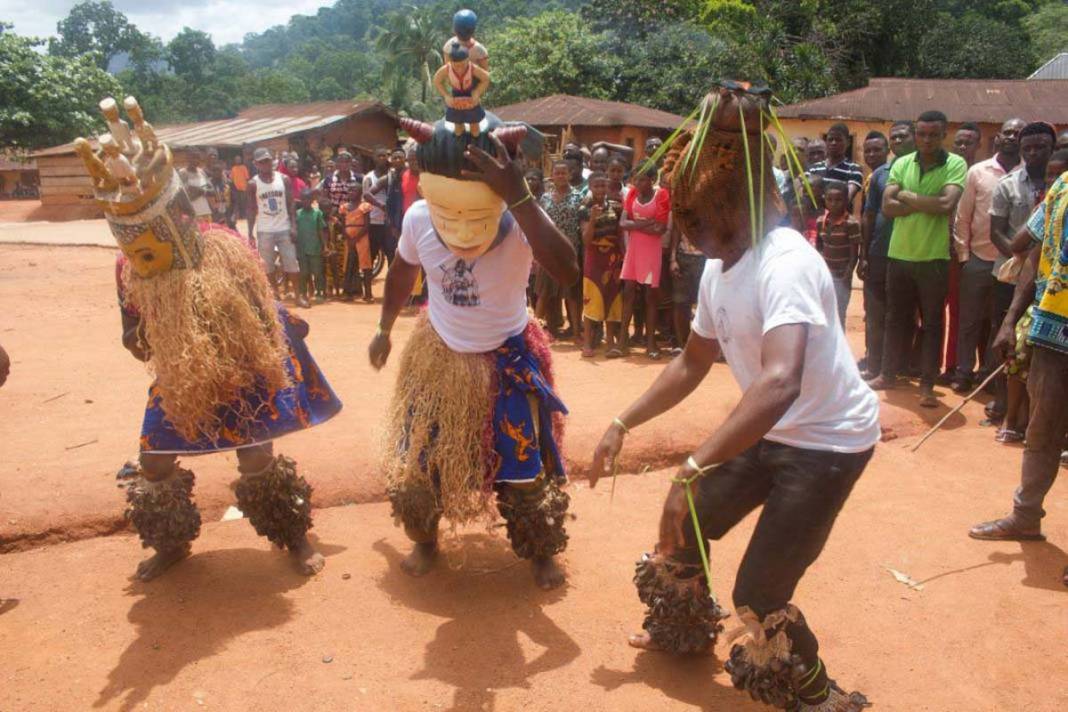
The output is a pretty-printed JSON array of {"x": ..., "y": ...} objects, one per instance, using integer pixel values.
[
  {"x": 517, "y": 442},
  {"x": 309, "y": 401}
]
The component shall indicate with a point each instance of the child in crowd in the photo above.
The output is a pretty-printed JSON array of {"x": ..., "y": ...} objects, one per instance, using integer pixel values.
[
  {"x": 645, "y": 217},
  {"x": 335, "y": 248},
  {"x": 838, "y": 240},
  {"x": 311, "y": 243},
  {"x": 602, "y": 301},
  {"x": 617, "y": 176},
  {"x": 357, "y": 278}
]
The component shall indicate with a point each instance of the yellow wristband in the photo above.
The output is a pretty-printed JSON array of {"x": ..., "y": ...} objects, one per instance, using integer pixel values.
[
  {"x": 622, "y": 425},
  {"x": 525, "y": 198},
  {"x": 381, "y": 331}
]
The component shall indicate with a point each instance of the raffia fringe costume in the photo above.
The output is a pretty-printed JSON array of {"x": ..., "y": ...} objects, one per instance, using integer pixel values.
[
  {"x": 201, "y": 290},
  {"x": 462, "y": 426}
]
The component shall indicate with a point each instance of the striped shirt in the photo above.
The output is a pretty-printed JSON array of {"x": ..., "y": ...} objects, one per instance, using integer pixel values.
[
  {"x": 837, "y": 240},
  {"x": 845, "y": 171}
]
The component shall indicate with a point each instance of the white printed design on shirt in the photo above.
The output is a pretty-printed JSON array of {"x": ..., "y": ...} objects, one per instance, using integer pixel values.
[{"x": 459, "y": 285}]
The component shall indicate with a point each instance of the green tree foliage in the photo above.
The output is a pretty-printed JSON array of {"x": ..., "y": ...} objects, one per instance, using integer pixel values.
[
  {"x": 659, "y": 53},
  {"x": 974, "y": 46},
  {"x": 1048, "y": 29},
  {"x": 410, "y": 42},
  {"x": 191, "y": 54},
  {"x": 95, "y": 27},
  {"x": 555, "y": 52},
  {"x": 47, "y": 99}
]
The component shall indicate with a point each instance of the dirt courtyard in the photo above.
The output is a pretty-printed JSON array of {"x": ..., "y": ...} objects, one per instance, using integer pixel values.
[{"x": 234, "y": 628}]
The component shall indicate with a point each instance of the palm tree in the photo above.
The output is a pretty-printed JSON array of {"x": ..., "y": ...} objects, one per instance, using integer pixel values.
[{"x": 411, "y": 39}]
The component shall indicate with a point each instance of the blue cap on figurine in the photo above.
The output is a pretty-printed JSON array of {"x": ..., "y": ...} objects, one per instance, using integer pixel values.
[{"x": 464, "y": 23}]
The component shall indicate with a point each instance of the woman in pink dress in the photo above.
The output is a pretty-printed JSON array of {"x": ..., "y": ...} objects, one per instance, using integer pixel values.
[{"x": 645, "y": 218}]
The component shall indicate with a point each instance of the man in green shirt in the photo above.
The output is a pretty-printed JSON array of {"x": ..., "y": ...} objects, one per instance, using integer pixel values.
[
  {"x": 311, "y": 241},
  {"x": 921, "y": 194}
]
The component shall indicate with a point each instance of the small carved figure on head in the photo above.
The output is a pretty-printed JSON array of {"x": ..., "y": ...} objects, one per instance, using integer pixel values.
[
  {"x": 119, "y": 166},
  {"x": 462, "y": 83},
  {"x": 120, "y": 131},
  {"x": 102, "y": 179}
]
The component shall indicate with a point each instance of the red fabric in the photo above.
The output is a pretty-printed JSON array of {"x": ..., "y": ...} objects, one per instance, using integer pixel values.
[
  {"x": 661, "y": 199},
  {"x": 409, "y": 189}
]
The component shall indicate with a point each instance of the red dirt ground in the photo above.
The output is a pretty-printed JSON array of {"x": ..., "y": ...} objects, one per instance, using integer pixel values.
[{"x": 233, "y": 628}]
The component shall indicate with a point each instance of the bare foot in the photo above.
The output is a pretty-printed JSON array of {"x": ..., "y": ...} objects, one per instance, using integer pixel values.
[
  {"x": 642, "y": 640},
  {"x": 547, "y": 573},
  {"x": 421, "y": 560},
  {"x": 308, "y": 561},
  {"x": 159, "y": 562}
]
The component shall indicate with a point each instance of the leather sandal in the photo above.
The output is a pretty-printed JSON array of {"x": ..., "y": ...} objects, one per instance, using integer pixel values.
[{"x": 1003, "y": 530}]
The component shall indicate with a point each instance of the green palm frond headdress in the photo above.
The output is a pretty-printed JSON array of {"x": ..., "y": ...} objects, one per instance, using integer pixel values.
[{"x": 721, "y": 153}]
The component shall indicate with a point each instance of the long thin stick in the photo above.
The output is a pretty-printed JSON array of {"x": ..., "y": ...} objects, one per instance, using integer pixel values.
[{"x": 971, "y": 395}]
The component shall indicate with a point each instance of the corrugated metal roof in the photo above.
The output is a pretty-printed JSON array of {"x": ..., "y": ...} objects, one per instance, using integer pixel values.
[
  {"x": 979, "y": 100},
  {"x": 566, "y": 110},
  {"x": 255, "y": 124},
  {"x": 1056, "y": 68}
]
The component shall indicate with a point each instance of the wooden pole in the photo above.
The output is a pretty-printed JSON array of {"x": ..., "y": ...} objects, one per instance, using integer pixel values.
[{"x": 946, "y": 417}]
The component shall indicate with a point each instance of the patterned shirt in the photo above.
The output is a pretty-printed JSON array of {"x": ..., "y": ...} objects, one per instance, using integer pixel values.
[
  {"x": 339, "y": 189},
  {"x": 565, "y": 214},
  {"x": 837, "y": 240},
  {"x": 1049, "y": 327},
  {"x": 606, "y": 236}
]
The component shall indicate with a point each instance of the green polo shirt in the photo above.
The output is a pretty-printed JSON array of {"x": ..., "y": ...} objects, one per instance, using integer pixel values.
[{"x": 922, "y": 237}]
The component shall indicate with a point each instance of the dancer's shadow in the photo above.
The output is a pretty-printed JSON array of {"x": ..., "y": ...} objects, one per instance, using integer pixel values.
[
  {"x": 491, "y": 601},
  {"x": 1044, "y": 565},
  {"x": 194, "y": 610},
  {"x": 1043, "y": 561},
  {"x": 684, "y": 678}
]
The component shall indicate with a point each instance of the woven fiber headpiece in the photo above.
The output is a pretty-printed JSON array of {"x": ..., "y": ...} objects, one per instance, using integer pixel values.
[
  {"x": 724, "y": 162},
  {"x": 136, "y": 185}
]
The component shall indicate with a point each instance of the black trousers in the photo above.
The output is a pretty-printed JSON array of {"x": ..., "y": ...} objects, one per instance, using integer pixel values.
[
  {"x": 382, "y": 241},
  {"x": 1000, "y": 303},
  {"x": 802, "y": 492},
  {"x": 875, "y": 312},
  {"x": 911, "y": 286}
]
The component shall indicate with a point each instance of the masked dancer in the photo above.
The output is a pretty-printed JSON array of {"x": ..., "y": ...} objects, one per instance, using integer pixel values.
[
  {"x": 797, "y": 441},
  {"x": 231, "y": 371}
]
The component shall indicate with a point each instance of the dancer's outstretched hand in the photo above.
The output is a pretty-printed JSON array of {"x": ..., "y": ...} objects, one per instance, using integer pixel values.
[
  {"x": 604, "y": 457},
  {"x": 379, "y": 350},
  {"x": 673, "y": 518}
]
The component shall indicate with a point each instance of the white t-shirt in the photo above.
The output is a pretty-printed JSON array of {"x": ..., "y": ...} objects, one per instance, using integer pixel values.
[
  {"x": 474, "y": 306},
  {"x": 378, "y": 215},
  {"x": 197, "y": 179},
  {"x": 783, "y": 280},
  {"x": 272, "y": 211}
]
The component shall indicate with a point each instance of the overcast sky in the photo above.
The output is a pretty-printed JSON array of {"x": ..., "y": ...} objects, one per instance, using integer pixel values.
[{"x": 225, "y": 20}]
